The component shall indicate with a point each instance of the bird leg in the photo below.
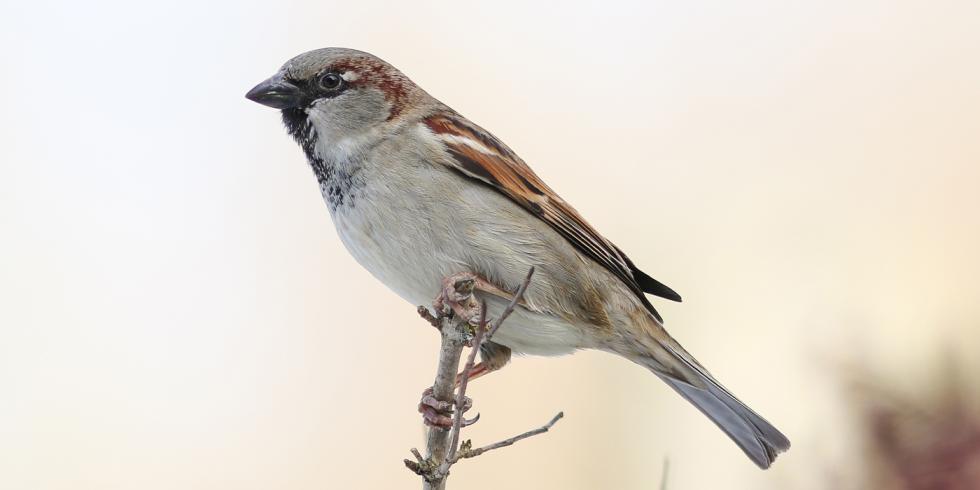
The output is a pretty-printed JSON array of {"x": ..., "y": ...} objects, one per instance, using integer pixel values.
[{"x": 493, "y": 356}]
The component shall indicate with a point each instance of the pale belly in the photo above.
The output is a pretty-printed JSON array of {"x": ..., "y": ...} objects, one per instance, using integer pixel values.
[
  {"x": 411, "y": 243},
  {"x": 397, "y": 256}
]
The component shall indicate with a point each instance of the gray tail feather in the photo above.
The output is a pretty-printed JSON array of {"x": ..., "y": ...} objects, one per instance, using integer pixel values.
[{"x": 758, "y": 438}]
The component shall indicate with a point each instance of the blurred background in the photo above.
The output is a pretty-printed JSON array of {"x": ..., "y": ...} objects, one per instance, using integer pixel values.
[{"x": 176, "y": 310}]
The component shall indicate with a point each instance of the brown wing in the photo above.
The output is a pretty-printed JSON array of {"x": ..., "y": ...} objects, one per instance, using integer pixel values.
[{"x": 479, "y": 155}]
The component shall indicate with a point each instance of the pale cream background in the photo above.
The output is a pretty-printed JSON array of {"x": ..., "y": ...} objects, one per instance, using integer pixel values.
[{"x": 176, "y": 311}]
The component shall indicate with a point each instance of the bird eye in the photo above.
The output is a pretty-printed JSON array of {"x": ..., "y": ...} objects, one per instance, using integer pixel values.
[{"x": 330, "y": 81}]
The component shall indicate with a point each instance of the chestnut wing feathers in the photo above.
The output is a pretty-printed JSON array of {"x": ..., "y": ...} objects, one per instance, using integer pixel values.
[{"x": 479, "y": 155}]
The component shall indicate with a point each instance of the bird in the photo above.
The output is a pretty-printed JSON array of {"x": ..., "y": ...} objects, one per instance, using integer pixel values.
[{"x": 417, "y": 193}]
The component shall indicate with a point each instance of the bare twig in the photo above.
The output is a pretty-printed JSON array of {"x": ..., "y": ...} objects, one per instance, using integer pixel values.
[
  {"x": 429, "y": 317},
  {"x": 472, "y": 453},
  {"x": 513, "y": 303},
  {"x": 453, "y": 331},
  {"x": 453, "y": 318}
]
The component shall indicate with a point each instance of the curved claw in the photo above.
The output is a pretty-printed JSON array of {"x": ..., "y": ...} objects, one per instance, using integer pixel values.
[{"x": 468, "y": 422}]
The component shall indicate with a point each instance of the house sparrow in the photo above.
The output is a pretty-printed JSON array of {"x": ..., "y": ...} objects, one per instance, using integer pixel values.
[{"x": 417, "y": 193}]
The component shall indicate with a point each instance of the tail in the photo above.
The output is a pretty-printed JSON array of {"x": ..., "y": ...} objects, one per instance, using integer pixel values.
[{"x": 760, "y": 441}]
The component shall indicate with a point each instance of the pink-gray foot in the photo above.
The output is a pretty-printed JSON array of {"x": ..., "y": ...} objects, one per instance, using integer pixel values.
[{"x": 437, "y": 413}]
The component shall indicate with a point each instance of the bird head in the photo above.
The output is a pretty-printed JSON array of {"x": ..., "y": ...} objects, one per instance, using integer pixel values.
[{"x": 337, "y": 95}]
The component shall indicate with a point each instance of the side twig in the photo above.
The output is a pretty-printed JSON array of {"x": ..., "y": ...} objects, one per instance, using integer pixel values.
[{"x": 518, "y": 297}]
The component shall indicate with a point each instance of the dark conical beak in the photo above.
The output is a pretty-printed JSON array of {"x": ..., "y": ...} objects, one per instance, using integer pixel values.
[{"x": 277, "y": 93}]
